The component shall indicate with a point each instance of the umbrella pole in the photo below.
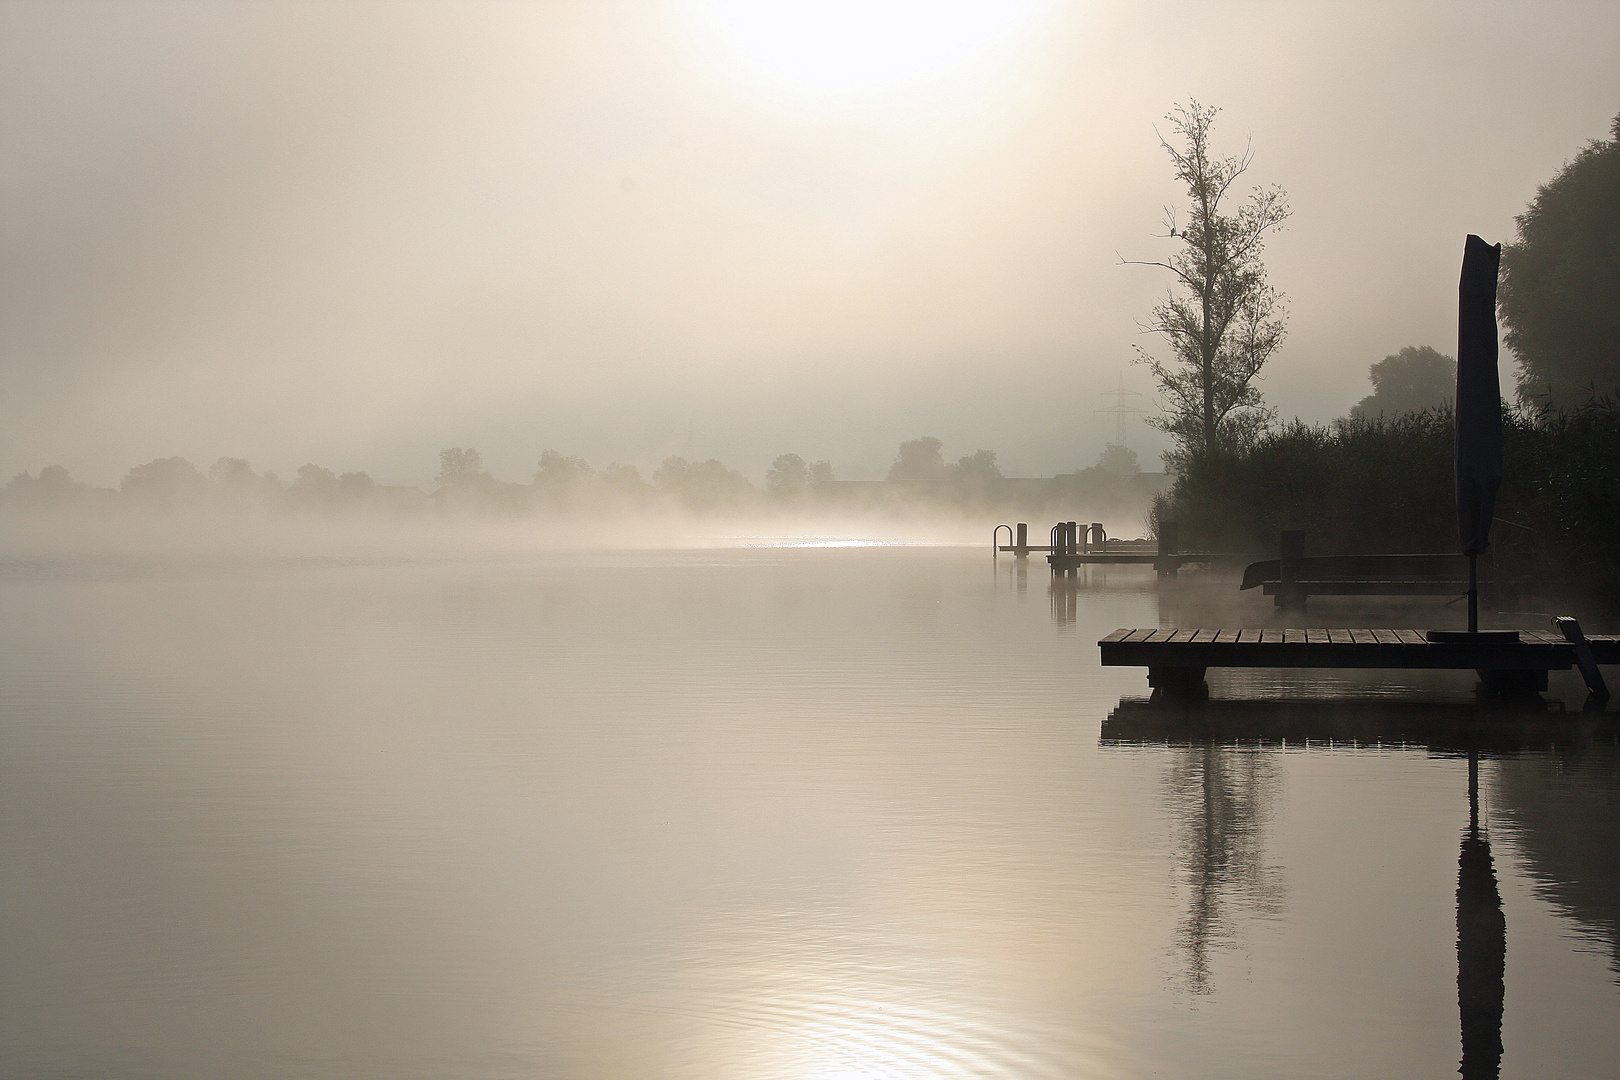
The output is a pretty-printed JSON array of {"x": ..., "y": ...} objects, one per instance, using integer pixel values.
[{"x": 1473, "y": 592}]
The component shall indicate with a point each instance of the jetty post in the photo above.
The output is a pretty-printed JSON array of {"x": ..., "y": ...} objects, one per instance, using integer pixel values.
[
  {"x": 1290, "y": 550},
  {"x": 1169, "y": 545}
]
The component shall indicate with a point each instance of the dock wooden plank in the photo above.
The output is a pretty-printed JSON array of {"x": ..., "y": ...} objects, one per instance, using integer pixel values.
[{"x": 1194, "y": 648}]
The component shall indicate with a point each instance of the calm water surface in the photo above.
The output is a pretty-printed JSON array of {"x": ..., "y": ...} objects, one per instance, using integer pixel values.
[{"x": 817, "y": 814}]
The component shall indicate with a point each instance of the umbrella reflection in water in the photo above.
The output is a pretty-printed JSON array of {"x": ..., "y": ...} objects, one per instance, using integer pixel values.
[{"x": 1481, "y": 945}]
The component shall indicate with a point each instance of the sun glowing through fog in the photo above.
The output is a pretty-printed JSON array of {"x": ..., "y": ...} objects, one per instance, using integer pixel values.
[{"x": 844, "y": 49}]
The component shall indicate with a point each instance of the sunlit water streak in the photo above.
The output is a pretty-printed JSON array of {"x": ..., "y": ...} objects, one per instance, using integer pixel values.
[{"x": 756, "y": 811}]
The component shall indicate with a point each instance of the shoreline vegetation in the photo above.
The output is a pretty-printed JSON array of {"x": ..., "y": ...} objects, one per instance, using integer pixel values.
[
  {"x": 1382, "y": 480},
  {"x": 1377, "y": 484}
]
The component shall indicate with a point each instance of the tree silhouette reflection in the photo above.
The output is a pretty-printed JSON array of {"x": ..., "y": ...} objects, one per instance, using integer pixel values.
[
  {"x": 1565, "y": 810},
  {"x": 1221, "y": 797}
]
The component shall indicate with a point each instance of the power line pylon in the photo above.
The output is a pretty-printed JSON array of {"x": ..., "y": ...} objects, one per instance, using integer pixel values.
[{"x": 1119, "y": 411}]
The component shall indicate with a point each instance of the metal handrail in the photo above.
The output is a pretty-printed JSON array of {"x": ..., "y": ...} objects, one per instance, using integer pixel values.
[{"x": 995, "y": 540}]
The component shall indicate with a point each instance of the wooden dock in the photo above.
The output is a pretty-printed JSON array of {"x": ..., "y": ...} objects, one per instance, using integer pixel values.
[
  {"x": 1075, "y": 544},
  {"x": 1177, "y": 659}
]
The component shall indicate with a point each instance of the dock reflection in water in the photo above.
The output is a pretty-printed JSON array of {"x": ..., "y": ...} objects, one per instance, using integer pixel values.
[{"x": 1220, "y": 781}]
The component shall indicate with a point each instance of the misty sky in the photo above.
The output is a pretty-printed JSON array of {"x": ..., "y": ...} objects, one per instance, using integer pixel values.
[{"x": 353, "y": 234}]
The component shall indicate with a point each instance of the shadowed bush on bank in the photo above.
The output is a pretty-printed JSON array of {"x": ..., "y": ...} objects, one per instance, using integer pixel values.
[{"x": 1366, "y": 485}]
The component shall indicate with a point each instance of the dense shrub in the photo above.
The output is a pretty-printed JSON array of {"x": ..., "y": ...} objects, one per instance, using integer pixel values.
[
  {"x": 1565, "y": 474},
  {"x": 1385, "y": 484},
  {"x": 1365, "y": 484}
]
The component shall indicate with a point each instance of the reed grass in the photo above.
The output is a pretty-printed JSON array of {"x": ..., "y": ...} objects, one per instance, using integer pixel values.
[{"x": 1386, "y": 484}]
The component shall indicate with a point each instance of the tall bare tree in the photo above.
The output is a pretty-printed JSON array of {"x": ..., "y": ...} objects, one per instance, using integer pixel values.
[{"x": 1221, "y": 320}]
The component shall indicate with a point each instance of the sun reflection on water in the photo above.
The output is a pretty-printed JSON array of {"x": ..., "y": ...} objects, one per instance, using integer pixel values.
[
  {"x": 847, "y": 1072},
  {"x": 816, "y": 997}
]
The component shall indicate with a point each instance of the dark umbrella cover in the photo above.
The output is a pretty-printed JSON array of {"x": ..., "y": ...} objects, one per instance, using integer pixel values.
[{"x": 1479, "y": 396}]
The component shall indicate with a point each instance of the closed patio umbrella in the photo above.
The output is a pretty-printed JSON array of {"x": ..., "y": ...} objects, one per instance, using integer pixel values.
[{"x": 1479, "y": 409}]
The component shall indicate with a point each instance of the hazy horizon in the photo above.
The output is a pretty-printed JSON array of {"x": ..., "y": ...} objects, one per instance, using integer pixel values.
[{"x": 354, "y": 236}]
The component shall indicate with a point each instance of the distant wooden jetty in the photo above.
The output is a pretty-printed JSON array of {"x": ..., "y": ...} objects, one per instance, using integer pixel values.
[
  {"x": 1177, "y": 659},
  {"x": 1074, "y": 544}
]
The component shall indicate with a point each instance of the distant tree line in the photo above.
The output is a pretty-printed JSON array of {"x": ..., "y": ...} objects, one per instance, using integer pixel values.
[
  {"x": 560, "y": 484},
  {"x": 174, "y": 483},
  {"x": 1114, "y": 487},
  {"x": 564, "y": 485}
]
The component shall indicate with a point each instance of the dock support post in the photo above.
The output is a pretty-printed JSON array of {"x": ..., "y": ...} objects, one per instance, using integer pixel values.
[
  {"x": 1169, "y": 543},
  {"x": 1178, "y": 681},
  {"x": 1021, "y": 543},
  {"x": 1473, "y": 590},
  {"x": 1290, "y": 549}
]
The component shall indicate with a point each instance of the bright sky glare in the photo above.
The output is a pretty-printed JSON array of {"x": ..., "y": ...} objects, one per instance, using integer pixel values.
[{"x": 840, "y": 50}]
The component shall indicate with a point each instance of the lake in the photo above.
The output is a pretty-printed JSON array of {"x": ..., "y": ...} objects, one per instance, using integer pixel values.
[{"x": 763, "y": 810}]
